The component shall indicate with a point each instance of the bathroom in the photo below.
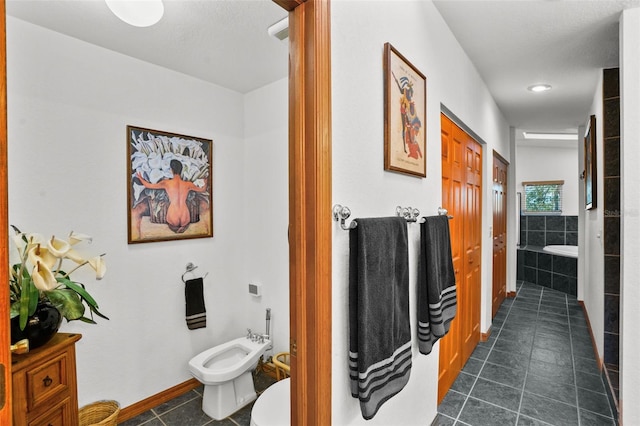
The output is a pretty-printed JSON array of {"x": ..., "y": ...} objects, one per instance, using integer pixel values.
[
  {"x": 143, "y": 297},
  {"x": 70, "y": 102},
  {"x": 544, "y": 162}
]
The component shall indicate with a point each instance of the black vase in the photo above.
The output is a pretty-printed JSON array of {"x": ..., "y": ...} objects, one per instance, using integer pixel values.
[{"x": 40, "y": 328}]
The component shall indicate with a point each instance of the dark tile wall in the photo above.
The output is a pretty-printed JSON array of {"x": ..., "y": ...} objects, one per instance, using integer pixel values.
[
  {"x": 612, "y": 213},
  {"x": 549, "y": 270},
  {"x": 544, "y": 230}
]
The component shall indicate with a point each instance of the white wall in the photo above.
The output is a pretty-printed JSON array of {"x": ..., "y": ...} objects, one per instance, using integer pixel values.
[
  {"x": 592, "y": 291},
  {"x": 550, "y": 163},
  {"x": 265, "y": 251},
  {"x": 359, "y": 31},
  {"x": 68, "y": 107},
  {"x": 630, "y": 245}
]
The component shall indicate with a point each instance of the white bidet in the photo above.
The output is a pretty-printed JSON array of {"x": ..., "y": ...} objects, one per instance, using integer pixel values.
[{"x": 225, "y": 371}]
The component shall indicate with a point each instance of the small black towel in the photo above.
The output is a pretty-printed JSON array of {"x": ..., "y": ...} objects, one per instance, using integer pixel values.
[
  {"x": 379, "y": 326},
  {"x": 436, "y": 282},
  {"x": 194, "y": 297}
]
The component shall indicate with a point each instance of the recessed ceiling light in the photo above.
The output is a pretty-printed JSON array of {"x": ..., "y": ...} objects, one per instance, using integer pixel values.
[
  {"x": 139, "y": 13},
  {"x": 551, "y": 136},
  {"x": 539, "y": 88}
]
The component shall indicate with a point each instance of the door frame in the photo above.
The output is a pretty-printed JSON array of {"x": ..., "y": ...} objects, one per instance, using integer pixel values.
[
  {"x": 310, "y": 210},
  {"x": 5, "y": 335}
]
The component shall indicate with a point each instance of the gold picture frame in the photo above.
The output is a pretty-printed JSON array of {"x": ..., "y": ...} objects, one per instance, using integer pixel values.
[
  {"x": 405, "y": 115},
  {"x": 169, "y": 186}
]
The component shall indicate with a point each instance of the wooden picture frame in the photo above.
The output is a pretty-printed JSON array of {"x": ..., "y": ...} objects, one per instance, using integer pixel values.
[
  {"x": 169, "y": 186},
  {"x": 405, "y": 115},
  {"x": 590, "y": 166}
]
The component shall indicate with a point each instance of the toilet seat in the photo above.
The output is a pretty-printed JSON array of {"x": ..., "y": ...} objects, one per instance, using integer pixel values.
[
  {"x": 273, "y": 407},
  {"x": 238, "y": 356}
]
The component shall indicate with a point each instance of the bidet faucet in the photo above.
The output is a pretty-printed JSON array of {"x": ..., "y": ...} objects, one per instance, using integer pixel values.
[{"x": 249, "y": 334}]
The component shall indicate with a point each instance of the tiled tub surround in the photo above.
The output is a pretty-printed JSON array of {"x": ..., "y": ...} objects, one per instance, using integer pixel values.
[
  {"x": 548, "y": 270},
  {"x": 546, "y": 230},
  {"x": 612, "y": 217}
]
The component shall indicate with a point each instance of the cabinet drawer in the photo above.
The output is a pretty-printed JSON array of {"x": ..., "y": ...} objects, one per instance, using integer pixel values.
[
  {"x": 46, "y": 381},
  {"x": 58, "y": 415}
]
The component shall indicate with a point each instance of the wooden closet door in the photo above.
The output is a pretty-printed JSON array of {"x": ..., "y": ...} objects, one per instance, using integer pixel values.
[
  {"x": 500, "y": 168},
  {"x": 462, "y": 197},
  {"x": 470, "y": 291},
  {"x": 452, "y": 172}
]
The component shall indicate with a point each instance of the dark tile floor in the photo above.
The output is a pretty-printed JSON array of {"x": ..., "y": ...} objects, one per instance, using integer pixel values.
[
  {"x": 537, "y": 368},
  {"x": 186, "y": 410}
]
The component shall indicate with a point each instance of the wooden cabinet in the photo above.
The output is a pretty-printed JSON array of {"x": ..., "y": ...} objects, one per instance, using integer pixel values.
[{"x": 44, "y": 384}]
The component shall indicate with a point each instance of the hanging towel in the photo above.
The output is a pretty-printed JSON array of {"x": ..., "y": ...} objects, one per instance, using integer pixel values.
[
  {"x": 379, "y": 328},
  {"x": 194, "y": 297},
  {"x": 436, "y": 282}
]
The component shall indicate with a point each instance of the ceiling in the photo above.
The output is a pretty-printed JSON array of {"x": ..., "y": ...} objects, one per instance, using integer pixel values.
[
  {"x": 518, "y": 43},
  {"x": 513, "y": 44},
  {"x": 221, "y": 41}
]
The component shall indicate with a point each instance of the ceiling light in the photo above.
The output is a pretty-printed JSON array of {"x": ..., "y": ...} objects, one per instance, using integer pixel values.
[
  {"x": 139, "y": 13},
  {"x": 551, "y": 136},
  {"x": 539, "y": 88}
]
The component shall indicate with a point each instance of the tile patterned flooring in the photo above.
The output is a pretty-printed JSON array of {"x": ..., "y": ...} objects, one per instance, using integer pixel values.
[
  {"x": 537, "y": 368},
  {"x": 186, "y": 410}
]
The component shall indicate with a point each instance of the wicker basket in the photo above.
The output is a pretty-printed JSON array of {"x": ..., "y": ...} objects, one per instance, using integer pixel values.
[{"x": 102, "y": 413}]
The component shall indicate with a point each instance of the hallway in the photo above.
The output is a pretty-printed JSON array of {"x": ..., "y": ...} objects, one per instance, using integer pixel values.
[{"x": 537, "y": 368}]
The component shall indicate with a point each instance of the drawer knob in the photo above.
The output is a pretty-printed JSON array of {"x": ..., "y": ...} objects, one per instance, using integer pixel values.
[{"x": 47, "y": 381}]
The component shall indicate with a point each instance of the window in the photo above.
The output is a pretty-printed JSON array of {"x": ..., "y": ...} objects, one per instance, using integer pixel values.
[{"x": 543, "y": 197}]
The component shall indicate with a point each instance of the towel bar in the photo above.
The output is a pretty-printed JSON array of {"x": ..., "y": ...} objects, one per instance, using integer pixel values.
[{"x": 342, "y": 213}]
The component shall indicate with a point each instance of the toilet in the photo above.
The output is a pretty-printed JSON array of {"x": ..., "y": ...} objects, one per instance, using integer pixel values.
[
  {"x": 273, "y": 407},
  {"x": 225, "y": 371}
]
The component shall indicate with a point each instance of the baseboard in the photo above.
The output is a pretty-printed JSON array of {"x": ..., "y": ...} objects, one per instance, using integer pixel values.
[
  {"x": 616, "y": 406},
  {"x": 160, "y": 398},
  {"x": 593, "y": 340},
  {"x": 485, "y": 336}
]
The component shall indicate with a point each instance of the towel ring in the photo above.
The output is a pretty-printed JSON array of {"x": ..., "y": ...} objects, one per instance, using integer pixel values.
[{"x": 190, "y": 267}]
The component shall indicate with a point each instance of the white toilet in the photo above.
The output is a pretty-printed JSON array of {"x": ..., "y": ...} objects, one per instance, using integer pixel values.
[
  {"x": 225, "y": 371},
  {"x": 273, "y": 407}
]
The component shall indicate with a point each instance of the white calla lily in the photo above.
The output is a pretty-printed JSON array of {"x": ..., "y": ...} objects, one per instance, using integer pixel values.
[
  {"x": 42, "y": 272},
  {"x": 74, "y": 256},
  {"x": 43, "y": 278},
  {"x": 32, "y": 240},
  {"x": 41, "y": 254},
  {"x": 58, "y": 247},
  {"x": 99, "y": 266},
  {"x": 76, "y": 237}
]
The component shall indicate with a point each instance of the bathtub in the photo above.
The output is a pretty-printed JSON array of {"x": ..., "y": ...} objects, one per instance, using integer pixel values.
[
  {"x": 569, "y": 251},
  {"x": 553, "y": 266}
]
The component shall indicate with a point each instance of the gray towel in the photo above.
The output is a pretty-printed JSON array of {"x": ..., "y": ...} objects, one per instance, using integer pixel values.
[
  {"x": 196, "y": 314},
  {"x": 436, "y": 282},
  {"x": 379, "y": 328}
]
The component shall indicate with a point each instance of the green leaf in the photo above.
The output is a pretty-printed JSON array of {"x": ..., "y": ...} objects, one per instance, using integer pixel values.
[
  {"x": 67, "y": 302},
  {"x": 15, "y": 309},
  {"x": 80, "y": 290},
  {"x": 28, "y": 300}
]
